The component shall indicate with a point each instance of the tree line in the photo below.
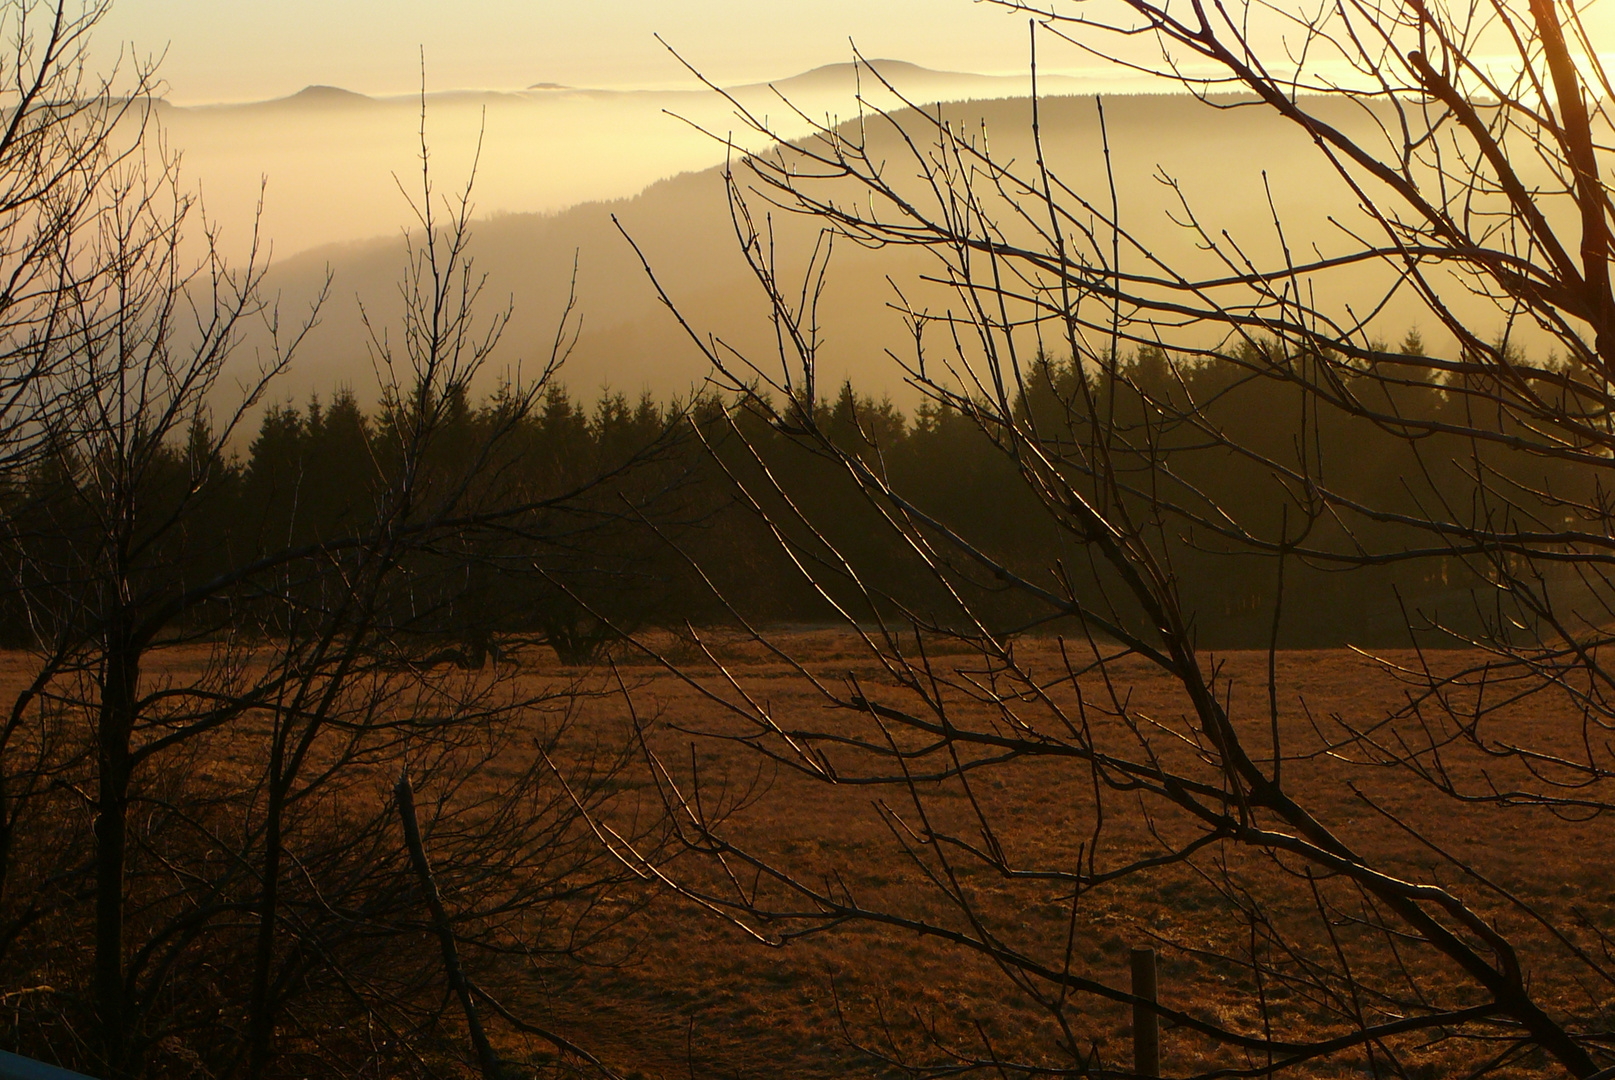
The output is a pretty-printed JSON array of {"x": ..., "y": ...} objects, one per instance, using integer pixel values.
[{"x": 644, "y": 527}]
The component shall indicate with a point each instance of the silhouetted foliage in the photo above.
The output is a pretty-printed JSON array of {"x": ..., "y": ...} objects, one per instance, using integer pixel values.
[{"x": 634, "y": 495}]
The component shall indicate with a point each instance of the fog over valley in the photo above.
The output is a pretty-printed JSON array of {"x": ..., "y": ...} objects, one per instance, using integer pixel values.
[
  {"x": 326, "y": 157},
  {"x": 559, "y": 165}
]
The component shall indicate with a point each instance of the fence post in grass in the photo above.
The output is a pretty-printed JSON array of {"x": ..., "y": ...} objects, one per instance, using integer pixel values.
[
  {"x": 1146, "y": 1026},
  {"x": 486, "y": 1058}
]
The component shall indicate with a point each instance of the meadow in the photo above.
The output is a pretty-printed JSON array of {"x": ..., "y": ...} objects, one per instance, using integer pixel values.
[{"x": 699, "y": 996}]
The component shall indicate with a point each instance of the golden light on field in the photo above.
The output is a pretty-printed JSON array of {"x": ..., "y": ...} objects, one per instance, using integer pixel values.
[{"x": 520, "y": 558}]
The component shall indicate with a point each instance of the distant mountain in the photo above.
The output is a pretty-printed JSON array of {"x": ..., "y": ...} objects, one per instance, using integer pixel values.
[
  {"x": 1225, "y": 161},
  {"x": 839, "y": 79},
  {"x": 919, "y": 84},
  {"x": 329, "y": 155},
  {"x": 324, "y": 96},
  {"x": 310, "y": 98}
]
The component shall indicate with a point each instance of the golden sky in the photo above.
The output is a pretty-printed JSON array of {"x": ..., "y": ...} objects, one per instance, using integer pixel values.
[{"x": 233, "y": 50}]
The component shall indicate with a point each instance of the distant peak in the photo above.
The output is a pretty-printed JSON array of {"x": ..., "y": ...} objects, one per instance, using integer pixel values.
[
  {"x": 899, "y": 70},
  {"x": 882, "y": 65},
  {"x": 321, "y": 93},
  {"x": 548, "y": 86}
]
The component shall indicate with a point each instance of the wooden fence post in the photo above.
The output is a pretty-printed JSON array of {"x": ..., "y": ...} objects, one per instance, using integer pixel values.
[{"x": 1146, "y": 1026}]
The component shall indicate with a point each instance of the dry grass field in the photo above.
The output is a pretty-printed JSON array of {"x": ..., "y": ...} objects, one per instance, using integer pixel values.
[
  {"x": 697, "y": 996},
  {"x": 680, "y": 992}
]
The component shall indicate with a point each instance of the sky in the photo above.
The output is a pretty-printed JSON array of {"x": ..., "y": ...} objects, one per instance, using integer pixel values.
[{"x": 242, "y": 50}]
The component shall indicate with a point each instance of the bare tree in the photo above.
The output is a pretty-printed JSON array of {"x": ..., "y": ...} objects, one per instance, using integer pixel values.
[
  {"x": 208, "y": 870},
  {"x": 66, "y": 136},
  {"x": 1103, "y": 371}
]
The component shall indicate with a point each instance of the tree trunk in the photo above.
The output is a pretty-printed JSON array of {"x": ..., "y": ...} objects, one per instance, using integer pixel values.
[
  {"x": 120, "y": 684},
  {"x": 261, "y": 1022}
]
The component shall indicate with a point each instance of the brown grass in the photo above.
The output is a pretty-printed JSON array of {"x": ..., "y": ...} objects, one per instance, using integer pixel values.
[
  {"x": 696, "y": 996},
  {"x": 699, "y": 996}
]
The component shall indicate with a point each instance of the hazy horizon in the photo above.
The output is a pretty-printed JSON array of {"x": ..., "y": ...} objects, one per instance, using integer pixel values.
[
  {"x": 233, "y": 53},
  {"x": 325, "y": 158},
  {"x": 236, "y": 53},
  {"x": 328, "y": 142}
]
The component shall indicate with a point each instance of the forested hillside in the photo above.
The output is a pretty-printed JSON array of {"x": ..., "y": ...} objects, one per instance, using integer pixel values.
[
  {"x": 1226, "y": 165},
  {"x": 649, "y": 525}
]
